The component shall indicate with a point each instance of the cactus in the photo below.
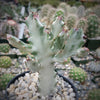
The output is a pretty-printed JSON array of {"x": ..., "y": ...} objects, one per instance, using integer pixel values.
[
  {"x": 4, "y": 47},
  {"x": 10, "y": 27},
  {"x": 82, "y": 52},
  {"x": 93, "y": 26},
  {"x": 82, "y": 23},
  {"x": 94, "y": 94},
  {"x": 96, "y": 10},
  {"x": 4, "y": 79},
  {"x": 71, "y": 20},
  {"x": 46, "y": 48},
  {"x": 72, "y": 10},
  {"x": 81, "y": 11},
  {"x": 94, "y": 66},
  {"x": 5, "y": 62},
  {"x": 51, "y": 12},
  {"x": 78, "y": 74},
  {"x": 50, "y": 16},
  {"x": 44, "y": 10},
  {"x": 64, "y": 7},
  {"x": 98, "y": 52},
  {"x": 88, "y": 12}
]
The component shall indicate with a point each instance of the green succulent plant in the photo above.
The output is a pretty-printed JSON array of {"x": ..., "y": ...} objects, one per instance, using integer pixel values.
[
  {"x": 71, "y": 20},
  {"x": 78, "y": 74},
  {"x": 46, "y": 48},
  {"x": 4, "y": 47},
  {"x": 96, "y": 10},
  {"x": 4, "y": 79},
  {"x": 5, "y": 62},
  {"x": 44, "y": 10},
  {"x": 93, "y": 26},
  {"x": 82, "y": 23},
  {"x": 64, "y": 7}
]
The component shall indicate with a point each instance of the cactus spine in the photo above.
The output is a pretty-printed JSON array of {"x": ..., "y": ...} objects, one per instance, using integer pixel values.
[
  {"x": 5, "y": 62},
  {"x": 49, "y": 49},
  {"x": 78, "y": 74},
  {"x": 4, "y": 47}
]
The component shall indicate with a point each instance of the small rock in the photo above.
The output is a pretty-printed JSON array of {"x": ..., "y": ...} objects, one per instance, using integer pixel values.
[
  {"x": 70, "y": 90},
  {"x": 58, "y": 97},
  {"x": 72, "y": 94},
  {"x": 69, "y": 86}
]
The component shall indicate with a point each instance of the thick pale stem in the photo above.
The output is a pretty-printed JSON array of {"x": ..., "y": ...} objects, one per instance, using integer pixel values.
[
  {"x": 47, "y": 80},
  {"x": 47, "y": 77}
]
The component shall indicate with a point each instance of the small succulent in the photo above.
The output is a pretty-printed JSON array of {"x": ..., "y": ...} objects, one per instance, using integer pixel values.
[
  {"x": 67, "y": 61},
  {"x": 78, "y": 74},
  {"x": 96, "y": 10},
  {"x": 59, "y": 12},
  {"x": 81, "y": 11},
  {"x": 5, "y": 62},
  {"x": 71, "y": 20},
  {"x": 4, "y": 79},
  {"x": 10, "y": 27},
  {"x": 82, "y": 52},
  {"x": 93, "y": 26},
  {"x": 88, "y": 12},
  {"x": 44, "y": 10},
  {"x": 98, "y": 52},
  {"x": 82, "y": 23},
  {"x": 94, "y": 66},
  {"x": 4, "y": 47},
  {"x": 94, "y": 94},
  {"x": 64, "y": 7}
]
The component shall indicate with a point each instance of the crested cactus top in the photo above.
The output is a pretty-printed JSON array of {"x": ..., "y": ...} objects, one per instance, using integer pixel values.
[{"x": 65, "y": 44}]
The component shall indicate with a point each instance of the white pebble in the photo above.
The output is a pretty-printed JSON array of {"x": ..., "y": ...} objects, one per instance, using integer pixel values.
[
  {"x": 58, "y": 97},
  {"x": 70, "y": 90},
  {"x": 72, "y": 94}
]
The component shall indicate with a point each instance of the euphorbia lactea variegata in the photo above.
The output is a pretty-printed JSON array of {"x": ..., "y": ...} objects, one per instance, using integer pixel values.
[{"x": 48, "y": 48}]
